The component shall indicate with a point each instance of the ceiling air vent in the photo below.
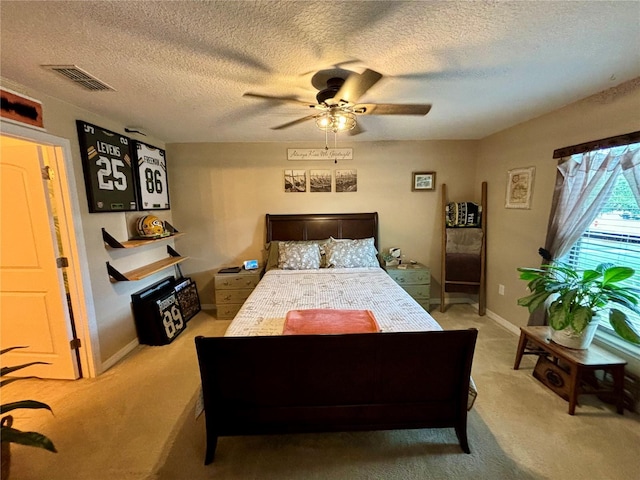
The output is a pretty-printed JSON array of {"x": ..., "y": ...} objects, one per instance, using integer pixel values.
[{"x": 79, "y": 77}]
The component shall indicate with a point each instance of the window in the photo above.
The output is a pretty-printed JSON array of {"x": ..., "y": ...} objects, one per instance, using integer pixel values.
[{"x": 613, "y": 237}]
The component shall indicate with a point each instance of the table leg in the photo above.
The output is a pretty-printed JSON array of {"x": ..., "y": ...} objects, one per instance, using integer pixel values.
[
  {"x": 618, "y": 387},
  {"x": 575, "y": 373},
  {"x": 522, "y": 343}
]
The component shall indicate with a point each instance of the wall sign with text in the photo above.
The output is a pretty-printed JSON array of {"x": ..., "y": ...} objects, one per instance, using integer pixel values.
[
  {"x": 106, "y": 162},
  {"x": 151, "y": 175}
]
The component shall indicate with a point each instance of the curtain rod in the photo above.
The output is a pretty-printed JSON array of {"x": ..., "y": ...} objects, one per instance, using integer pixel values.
[{"x": 610, "y": 142}]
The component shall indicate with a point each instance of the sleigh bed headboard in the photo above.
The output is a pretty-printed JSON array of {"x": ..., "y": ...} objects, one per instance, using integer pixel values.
[{"x": 319, "y": 226}]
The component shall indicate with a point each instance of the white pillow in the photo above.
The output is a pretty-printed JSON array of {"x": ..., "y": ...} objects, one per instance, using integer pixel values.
[
  {"x": 345, "y": 253},
  {"x": 298, "y": 256}
]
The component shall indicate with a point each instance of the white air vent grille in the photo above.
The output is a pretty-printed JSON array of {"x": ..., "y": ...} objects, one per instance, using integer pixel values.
[{"x": 79, "y": 77}]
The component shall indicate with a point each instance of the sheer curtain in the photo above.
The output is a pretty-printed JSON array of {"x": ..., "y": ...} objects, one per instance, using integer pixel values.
[{"x": 583, "y": 183}]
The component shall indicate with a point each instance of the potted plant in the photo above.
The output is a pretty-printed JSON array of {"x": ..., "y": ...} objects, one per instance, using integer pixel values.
[
  {"x": 8, "y": 434},
  {"x": 578, "y": 296}
]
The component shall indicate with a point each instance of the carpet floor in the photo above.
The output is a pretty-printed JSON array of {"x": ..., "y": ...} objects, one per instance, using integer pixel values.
[{"x": 137, "y": 421}]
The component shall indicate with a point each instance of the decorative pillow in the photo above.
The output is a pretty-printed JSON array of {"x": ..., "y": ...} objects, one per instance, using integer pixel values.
[
  {"x": 298, "y": 256},
  {"x": 351, "y": 253},
  {"x": 272, "y": 251}
]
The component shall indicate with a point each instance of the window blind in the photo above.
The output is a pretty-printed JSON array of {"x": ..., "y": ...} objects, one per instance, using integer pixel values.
[{"x": 613, "y": 237}]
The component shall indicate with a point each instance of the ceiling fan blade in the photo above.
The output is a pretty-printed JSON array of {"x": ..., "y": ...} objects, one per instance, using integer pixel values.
[
  {"x": 278, "y": 99},
  {"x": 356, "y": 85},
  {"x": 294, "y": 122},
  {"x": 392, "y": 109}
]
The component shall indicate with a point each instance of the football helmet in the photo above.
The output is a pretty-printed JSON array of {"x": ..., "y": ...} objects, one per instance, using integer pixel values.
[{"x": 149, "y": 226}]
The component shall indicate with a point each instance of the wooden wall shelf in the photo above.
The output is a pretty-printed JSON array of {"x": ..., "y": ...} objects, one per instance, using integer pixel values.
[
  {"x": 146, "y": 270},
  {"x": 138, "y": 242}
]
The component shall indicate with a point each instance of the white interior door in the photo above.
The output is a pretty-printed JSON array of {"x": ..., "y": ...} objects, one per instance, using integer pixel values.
[{"x": 33, "y": 305}]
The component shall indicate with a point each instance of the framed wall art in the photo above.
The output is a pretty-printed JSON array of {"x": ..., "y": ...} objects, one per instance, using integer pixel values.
[
  {"x": 320, "y": 180},
  {"x": 150, "y": 170},
  {"x": 295, "y": 180},
  {"x": 346, "y": 180},
  {"x": 423, "y": 181},
  {"x": 519, "y": 187},
  {"x": 106, "y": 163}
]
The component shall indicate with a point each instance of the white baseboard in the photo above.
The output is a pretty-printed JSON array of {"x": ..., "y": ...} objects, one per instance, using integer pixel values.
[
  {"x": 111, "y": 361},
  {"x": 500, "y": 321}
]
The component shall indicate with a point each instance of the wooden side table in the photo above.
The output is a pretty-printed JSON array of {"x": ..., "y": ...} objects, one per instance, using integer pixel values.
[
  {"x": 416, "y": 281},
  {"x": 578, "y": 363},
  {"x": 232, "y": 289}
]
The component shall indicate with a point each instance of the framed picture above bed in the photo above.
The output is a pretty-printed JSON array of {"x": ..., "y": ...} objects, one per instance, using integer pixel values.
[
  {"x": 295, "y": 181},
  {"x": 346, "y": 180},
  {"x": 320, "y": 180}
]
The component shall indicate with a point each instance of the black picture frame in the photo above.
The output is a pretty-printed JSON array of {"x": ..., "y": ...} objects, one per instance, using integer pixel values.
[
  {"x": 150, "y": 170},
  {"x": 106, "y": 163}
]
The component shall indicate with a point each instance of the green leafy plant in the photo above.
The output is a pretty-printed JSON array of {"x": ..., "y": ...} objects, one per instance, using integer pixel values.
[
  {"x": 10, "y": 434},
  {"x": 579, "y": 295}
]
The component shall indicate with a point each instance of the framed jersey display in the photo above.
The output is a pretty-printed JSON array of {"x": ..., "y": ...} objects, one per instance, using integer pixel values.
[
  {"x": 151, "y": 175},
  {"x": 108, "y": 175},
  {"x": 157, "y": 313}
]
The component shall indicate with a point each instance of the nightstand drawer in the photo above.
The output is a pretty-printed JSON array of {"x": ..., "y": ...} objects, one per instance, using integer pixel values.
[
  {"x": 226, "y": 312},
  {"x": 233, "y": 296},
  {"x": 228, "y": 281},
  {"x": 410, "y": 277},
  {"x": 419, "y": 292}
]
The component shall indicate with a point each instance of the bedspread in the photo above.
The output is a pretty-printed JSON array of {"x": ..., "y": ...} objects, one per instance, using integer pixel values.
[{"x": 350, "y": 288}]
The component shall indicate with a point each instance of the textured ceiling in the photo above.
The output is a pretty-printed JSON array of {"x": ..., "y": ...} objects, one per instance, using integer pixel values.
[{"x": 180, "y": 68}]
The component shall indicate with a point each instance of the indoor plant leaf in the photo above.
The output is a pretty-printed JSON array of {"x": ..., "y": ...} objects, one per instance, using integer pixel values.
[
  {"x": 623, "y": 327},
  {"x": 617, "y": 274},
  {"x": 581, "y": 318},
  {"x": 33, "y": 404},
  {"x": 32, "y": 439}
]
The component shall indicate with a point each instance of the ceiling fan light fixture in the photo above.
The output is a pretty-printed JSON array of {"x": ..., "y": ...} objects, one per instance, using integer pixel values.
[{"x": 336, "y": 121}]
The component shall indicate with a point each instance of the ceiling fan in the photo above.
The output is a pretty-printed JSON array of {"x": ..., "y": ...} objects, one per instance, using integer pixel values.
[{"x": 337, "y": 107}]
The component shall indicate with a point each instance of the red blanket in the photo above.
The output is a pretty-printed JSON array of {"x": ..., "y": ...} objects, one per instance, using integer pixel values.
[{"x": 319, "y": 321}]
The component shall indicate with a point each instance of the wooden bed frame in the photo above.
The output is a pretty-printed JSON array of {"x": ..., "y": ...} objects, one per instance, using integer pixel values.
[{"x": 325, "y": 383}]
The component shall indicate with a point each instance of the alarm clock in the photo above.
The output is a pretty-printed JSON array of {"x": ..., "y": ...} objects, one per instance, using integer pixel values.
[{"x": 250, "y": 264}]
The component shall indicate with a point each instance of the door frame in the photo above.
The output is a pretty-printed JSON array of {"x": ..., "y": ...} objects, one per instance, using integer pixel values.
[{"x": 68, "y": 211}]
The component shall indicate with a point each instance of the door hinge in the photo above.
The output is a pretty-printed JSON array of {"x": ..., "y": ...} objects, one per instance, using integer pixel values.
[
  {"x": 75, "y": 344},
  {"x": 46, "y": 173},
  {"x": 62, "y": 262}
]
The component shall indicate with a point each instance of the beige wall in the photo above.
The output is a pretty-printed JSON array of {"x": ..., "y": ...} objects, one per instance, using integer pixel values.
[{"x": 220, "y": 193}]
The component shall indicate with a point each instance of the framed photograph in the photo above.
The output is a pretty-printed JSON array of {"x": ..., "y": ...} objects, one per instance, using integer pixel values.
[
  {"x": 151, "y": 177},
  {"x": 295, "y": 180},
  {"x": 519, "y": 187},
  {"x": 423, "y": 181},
  {"x": 108, "y": 174},
  {"x": 320, "y": 180},
  {"x": 346, "y": 180}
]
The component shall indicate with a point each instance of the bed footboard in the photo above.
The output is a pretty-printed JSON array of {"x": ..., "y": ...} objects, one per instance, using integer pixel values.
[{"x": 320, "y": 383}]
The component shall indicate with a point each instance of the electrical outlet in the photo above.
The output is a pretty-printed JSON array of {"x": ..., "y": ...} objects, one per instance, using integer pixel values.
[{"x": 500, "y": 289}]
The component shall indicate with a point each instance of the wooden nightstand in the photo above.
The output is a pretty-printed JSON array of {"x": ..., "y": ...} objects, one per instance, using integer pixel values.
[
  {"x": 416, "y": 280},
  {"x": 232, "y": 289}
]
